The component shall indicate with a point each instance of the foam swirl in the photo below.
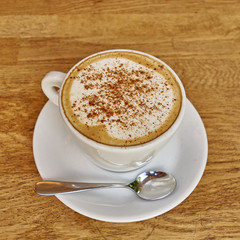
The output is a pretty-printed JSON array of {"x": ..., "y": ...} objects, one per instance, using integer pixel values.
[{"x": 131, "y": 100}]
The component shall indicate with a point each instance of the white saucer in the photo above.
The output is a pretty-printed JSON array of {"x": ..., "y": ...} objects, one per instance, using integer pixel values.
[{"x": 58, "y": 157}]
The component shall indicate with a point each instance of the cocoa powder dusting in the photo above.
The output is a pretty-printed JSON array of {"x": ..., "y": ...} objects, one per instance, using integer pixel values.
[{"x": 122, "y": 99}]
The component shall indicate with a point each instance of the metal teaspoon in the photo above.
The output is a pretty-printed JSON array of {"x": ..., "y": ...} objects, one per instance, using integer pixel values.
[{"x": 151, "y": 185}]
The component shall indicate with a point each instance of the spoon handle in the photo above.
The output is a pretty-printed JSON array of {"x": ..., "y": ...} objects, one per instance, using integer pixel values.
[{"x": 53, "y": 187}]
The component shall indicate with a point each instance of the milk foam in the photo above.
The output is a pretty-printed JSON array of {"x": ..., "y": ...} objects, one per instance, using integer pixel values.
[{"x": 130, "y": 99}]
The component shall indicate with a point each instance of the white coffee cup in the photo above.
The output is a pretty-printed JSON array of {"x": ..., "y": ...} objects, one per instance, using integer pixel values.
[{"x": 112, "y": 158}]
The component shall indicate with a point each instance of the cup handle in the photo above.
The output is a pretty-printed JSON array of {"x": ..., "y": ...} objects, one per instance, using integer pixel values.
[{"x": 51, "y": 84}]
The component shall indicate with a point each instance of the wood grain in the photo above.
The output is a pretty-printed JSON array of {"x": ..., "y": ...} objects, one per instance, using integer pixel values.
[{"x": 200, "y": 40}]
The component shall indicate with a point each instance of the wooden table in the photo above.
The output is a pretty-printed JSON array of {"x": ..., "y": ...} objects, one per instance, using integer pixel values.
[{"x": 200, "y": 40}]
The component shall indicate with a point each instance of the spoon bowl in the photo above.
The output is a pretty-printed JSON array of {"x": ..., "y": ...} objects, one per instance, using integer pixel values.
[
  {"x": 151, "y": 185},
  {"x": 155, "y": 185}
]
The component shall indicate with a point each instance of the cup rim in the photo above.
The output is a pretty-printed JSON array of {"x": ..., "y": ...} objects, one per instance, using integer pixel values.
[{"x": 170, "y": 131}]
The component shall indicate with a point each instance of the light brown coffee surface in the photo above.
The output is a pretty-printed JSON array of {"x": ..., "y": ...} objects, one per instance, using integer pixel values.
[{"x": 121, "y": 98}]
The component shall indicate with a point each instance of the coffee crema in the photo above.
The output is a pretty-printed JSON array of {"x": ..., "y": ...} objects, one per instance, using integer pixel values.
[{"x": 121, "y": 98}]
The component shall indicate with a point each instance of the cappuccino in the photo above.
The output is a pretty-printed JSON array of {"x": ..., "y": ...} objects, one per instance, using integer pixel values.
[{"x": 121, "y": 98}]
